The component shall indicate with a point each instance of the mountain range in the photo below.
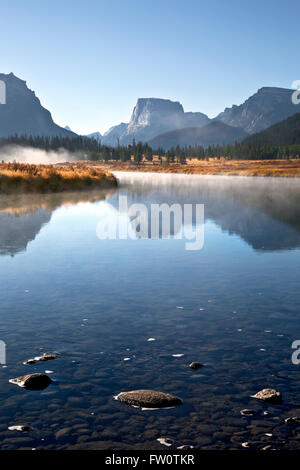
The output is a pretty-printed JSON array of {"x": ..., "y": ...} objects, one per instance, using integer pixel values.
[
  {"x": 214, "y": 133},
  {"x": 164, "y": 123},
  {"x": 153, "y": 116},
  {"x": 263, "y": 109},
  {"x": 158, "y": 121}
]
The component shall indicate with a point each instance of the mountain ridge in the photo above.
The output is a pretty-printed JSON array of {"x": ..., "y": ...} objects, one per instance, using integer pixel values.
[
  {"x": 286, "y": 132},
  {"x": 261, "y": 110},
  {"x": 213, "y": 133},
  {"x": 151, "y": 117},
  {"x": 23, "y": 113}
]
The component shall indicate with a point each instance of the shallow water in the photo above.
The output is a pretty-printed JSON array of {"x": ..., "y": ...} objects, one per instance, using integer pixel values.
[{"x": 97, "y": 302}]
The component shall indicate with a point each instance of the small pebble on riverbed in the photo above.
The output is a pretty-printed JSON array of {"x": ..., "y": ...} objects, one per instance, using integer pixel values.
[
  {"x": 165, "y": 441},
  {"x": 247, "y": 412}
]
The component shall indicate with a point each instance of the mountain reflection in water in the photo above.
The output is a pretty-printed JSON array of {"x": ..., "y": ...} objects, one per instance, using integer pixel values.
[
  {"x": 264, "y": 212},
  {"x": 22, "y": 217}
]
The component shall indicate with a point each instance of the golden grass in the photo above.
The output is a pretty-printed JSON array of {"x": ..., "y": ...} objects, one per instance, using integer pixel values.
[
  {"x": 27, "y": 178},
  {"x": 289, "y": 168}
]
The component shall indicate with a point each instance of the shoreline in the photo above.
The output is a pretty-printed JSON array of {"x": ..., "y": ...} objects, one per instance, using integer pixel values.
[
  {"x": 266, "y": 168},
  {"x": 22, "y": 178}
]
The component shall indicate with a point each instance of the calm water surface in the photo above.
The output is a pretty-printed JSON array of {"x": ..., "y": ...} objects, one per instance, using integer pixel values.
[{"x": 97, "y": 302}]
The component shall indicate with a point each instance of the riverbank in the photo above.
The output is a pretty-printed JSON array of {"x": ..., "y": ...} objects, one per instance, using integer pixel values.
[
  {"x": 290, "y": 168},
  {"x": 27, "y": 178}
]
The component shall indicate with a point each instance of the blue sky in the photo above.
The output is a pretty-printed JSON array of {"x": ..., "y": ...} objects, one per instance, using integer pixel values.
[{"x": 88, "y": 61}]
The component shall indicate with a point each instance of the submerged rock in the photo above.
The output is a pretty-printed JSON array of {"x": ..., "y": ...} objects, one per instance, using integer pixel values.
[
  {"x": 247, "y": 412},
  {"x": 292, "y": 420},
  {"x": 32, "y": 381},
  {"x": 62, "y": 433},
  {"x": 246, "y": 444},
  {"x": 268, "y": 447},
  {"x": 269, "y": 395},
  {"x": 44, "y": 357},
  {"x": 196, "y": 365},
  {"x": 149, "y": 399}
]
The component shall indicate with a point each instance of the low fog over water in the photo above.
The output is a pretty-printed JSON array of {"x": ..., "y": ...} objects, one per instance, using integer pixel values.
[{"x": 19, "y": 154}]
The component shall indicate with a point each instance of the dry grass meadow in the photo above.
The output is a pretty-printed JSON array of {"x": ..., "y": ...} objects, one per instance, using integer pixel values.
[
  {"x": 28, "y": 178},
  {"x": 289, "y": 168},
  {"x": 82, "y": 176}
]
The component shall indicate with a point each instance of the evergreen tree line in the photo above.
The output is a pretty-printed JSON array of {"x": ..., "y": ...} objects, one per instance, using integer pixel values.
[{"x": 91, "y": 149}]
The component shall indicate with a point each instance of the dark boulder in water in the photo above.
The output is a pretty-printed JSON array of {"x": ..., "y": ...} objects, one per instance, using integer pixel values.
[
  {"x": 32, "y": 381},
  {"x": 149, "y": 399},
  {"x": 196, "y": 365}
]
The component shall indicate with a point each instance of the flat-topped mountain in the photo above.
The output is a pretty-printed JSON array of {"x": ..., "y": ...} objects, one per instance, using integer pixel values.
[
  {"x": 24, "y": 114},
  {"x": 214, "y": 133},
  {"x": 151, "y": 117},
  {"x": 263, "y": 109}
]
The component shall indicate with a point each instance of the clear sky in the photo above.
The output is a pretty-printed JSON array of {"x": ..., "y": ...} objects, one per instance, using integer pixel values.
[{"x": 88, "y": 61}]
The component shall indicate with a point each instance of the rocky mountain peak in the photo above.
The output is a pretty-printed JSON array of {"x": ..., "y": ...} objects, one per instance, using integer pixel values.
[
  {"x": 151, "y": 117},
  {"x": 264, "y": 108},
  {"x": 147, "y": 110}
]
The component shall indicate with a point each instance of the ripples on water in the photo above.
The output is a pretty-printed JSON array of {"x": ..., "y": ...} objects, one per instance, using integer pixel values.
[{"x": 98, "y": 302}]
